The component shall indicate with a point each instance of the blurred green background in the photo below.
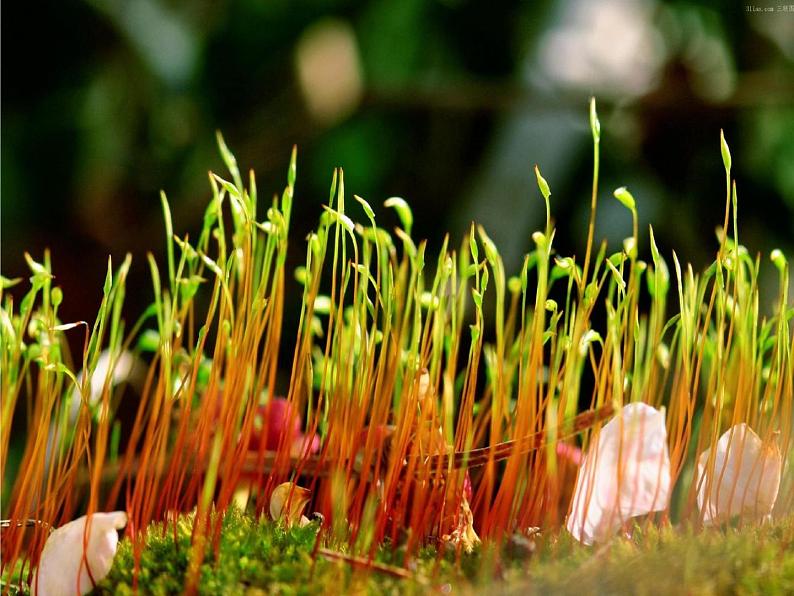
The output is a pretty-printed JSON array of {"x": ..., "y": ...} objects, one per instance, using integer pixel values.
[{"x": 447, "y": 103}]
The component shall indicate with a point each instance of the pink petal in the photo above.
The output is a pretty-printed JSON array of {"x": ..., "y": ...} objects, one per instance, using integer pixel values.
[
  {"x": 744, "y": 480},
  {"x": 626, "y": 474},
  {"x": 61, "y": 568}
]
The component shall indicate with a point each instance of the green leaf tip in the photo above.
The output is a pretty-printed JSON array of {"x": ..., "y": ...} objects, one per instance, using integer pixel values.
[
  {"x": 9, "y": 283},
  {"x": 473, "y": 248},
  {"x": 342, "y": 219},
  {"x": 625, "y": 197},
  {"x": 403, "y": 212},
  {"x": 491, "y": 252},
  {"x": 660, "y": 271},
  {"x": 36, "y": 268},
  {"x": 595, "y": 124},
  {"x": 546, "y": 192},
  {"x": 778, "y": 259},
  {"x": 293, "y": 168},
  {"x": 108, "y": 278},
  {"x": 366, "y": 206},
  {"x": 726, "y": 153},
  {"x": 542, "y": 184},
  {"x": 228, "y": 158}
]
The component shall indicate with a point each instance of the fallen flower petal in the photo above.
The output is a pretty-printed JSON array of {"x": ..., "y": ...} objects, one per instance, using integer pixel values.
[
  {"x": 62, "y": 567},
  {"x": 744, "y": 479},
  {"x": 288, "y": 502},
  {"x": 127, "y": 368},
  {"x": 626, "y": 475}
]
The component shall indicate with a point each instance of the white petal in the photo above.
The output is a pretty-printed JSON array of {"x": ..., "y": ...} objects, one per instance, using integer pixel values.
[
  {"x": 123, "y": 367},
  {"x": 744, "y": 479},
  {"x": 627, "y": 474},
  {"x": 62, "y": 570},
  {"x": 126, "y": 368},
  {"x": 288, "y": 501}
]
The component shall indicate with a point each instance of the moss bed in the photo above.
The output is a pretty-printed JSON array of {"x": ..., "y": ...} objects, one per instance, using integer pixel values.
[{"x": 263, "y": 557}]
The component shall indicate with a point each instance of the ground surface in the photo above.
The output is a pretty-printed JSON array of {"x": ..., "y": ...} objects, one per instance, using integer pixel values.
[{"x": 256, "y": 558}]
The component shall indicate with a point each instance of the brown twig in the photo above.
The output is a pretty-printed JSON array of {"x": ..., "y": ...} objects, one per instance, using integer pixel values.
[
  {"x": 317, "y": 465},
  {"x": 364, "y": 563}
]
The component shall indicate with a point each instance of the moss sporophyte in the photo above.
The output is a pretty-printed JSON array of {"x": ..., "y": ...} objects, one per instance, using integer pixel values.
[{"x": 441, "y": 421}]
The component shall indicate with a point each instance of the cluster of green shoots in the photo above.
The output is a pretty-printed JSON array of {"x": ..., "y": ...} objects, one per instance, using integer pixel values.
[{"x": 389, "y": 337}]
